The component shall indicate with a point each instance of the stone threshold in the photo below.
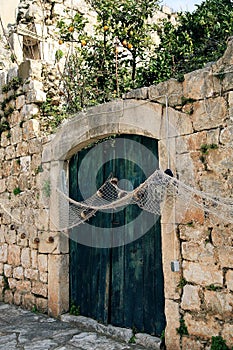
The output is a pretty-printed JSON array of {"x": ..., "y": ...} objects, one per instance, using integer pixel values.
[{"x": 123, "y": 334}]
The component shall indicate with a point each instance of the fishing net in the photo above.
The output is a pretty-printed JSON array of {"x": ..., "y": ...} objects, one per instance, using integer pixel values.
[{"x": 160, "y": 193}]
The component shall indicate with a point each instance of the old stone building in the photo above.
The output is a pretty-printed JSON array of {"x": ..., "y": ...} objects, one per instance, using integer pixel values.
[{"x": 192, "y": 123}]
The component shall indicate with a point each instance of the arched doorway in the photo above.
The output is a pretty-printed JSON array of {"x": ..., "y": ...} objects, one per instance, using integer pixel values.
[{"x": 116, "y": 272}]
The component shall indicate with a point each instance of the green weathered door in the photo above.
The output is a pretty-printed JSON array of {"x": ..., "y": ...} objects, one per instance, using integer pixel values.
[{"x": 115, "y": 258}]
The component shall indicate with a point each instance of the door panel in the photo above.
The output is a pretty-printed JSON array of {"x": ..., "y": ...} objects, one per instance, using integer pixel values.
[{"x": 123, "y": 285}]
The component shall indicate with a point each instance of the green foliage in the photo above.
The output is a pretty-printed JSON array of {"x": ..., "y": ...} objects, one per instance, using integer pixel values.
[
  {"x": 182, "y": 283},
  {"x": 52, "y": 112},
  {"x": 213, "y": 288},
  {"x": 74, "y": 310},
  {"x": 96, "y": 72},
  {"x": 132, "y": 340},
  {"x": 34, "y": 309},
  {"x": 16, "y": 191},
  {"x": 58, "y": 55},
  {"x": 4, "y": 126},
  {"x": 205, "y": 147},
  {"x": 200, "y": 37},
  {"x": 14, "y": 84},
  {"x": 218, "y": 343},
  {"x": 39, "y": 169},
  {"x": 182, "y": 330}
]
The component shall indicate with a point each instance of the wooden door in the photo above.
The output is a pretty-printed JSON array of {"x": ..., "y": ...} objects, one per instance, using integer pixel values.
[{"x": 120, "y": 283}]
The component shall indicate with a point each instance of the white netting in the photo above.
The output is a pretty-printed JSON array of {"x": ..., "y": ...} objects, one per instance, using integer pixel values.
[{"x": 159, "y": 193}]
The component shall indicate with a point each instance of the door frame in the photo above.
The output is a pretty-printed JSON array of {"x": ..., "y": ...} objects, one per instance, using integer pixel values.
[{"x": 137, "y": 117}]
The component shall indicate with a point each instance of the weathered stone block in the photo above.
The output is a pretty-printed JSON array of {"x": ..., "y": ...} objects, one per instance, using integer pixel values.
[
  {"x": 22, "y": 149},
  {"x": 43, "y": 262},
  {"x": 200, "y": 84},
  {"x": 28, "y": 301},
  {"x": 8, "y": 296},
  {"x": 2, "y": 185},
  {"x": 209, "y": 114},
  {"x": 31, "y": 274},
  {"x": 229, "y": 280},
  {"x": 25, "y": 258},
  {"x": 10, "y": 152},
  {"x": 172, "y": 316},
  {"x": 227, "y": 334},
  {"x": 226, "y": 256},
  {"x": 171, "y": 89},
  {"x": 42, "y": 305},
  {"x": 34, "y": 259},
  {"x": 18, "y": 273},
  {"x": 14, "y": 253},
  {"x": 8, "y": 270},
  {"x": 58, "y": 267},
  {"x": 12, "y": 283},
  {"x": 17, "y": 298},
  {"x": 203, "y": 328},
  {"x": 3, "y": 253},
  {"x": 220, "y": 304},
  {"x": 16, "y": 135},
  {"x": 226, "y": 135},
  {"x": 198, "y": 252},
  {"x": 20, "y": 101},
  {"x": 39, "y": 288},
  {"x": 201, "y": 273},
  {"x": 220, "y": 159},
  {"x": 23, "y": 286},
  {"x": 10, "y": 237},
  {"x": 44, "y": 277},
  {"x": 35, "y": 146},
  {"x": 191, "y": 344},
  {"x": 31, "y": 129},
  {"x": 222, "y": 236},
  {"x": 191, "y": 299},
  {"x": 5, "y": 141}
]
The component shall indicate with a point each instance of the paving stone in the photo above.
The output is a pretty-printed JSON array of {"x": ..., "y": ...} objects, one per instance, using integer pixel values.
[{"x": 25, "y": 330}]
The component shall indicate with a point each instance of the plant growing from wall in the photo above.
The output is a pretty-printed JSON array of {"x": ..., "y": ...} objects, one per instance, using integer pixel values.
[
  {"x": 218, "y": 343},
  {"x": 182, "y": 330},
  {"x": 53, "y": 113},
  {"x": 16, "y": 191}
]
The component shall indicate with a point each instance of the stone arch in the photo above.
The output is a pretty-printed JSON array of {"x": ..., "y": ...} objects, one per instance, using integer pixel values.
[{"x": 140, "y": 117}]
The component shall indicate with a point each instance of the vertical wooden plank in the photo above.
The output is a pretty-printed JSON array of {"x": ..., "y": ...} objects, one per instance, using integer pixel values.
[
  {"x": 123, "y": 285},
  {"x": 133, "y": 284}
]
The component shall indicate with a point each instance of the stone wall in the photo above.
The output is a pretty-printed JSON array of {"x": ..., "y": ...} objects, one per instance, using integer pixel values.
[
  {"x": 34, "y": 34},
  {"x": 34, "y": 257}
]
